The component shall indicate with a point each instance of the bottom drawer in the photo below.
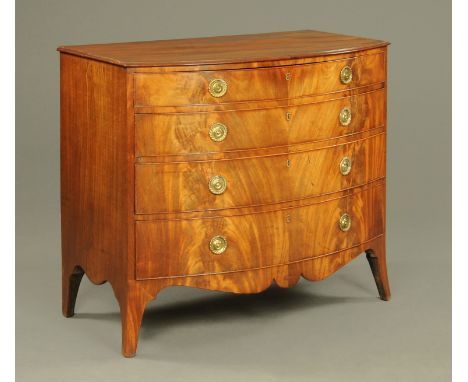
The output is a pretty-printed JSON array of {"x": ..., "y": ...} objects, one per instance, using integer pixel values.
[{"x": 167, "y": 248}]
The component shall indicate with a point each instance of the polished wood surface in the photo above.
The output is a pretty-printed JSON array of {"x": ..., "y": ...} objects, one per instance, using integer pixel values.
[
  {"x": 225, "y": 49},
  {"x": 174, "y": 134},
  {"x": 136, "y": 158},
  {"x": 378, "y": 266},
  {"x": 94, "y": 178},
  {"x": 166, "y": 248},
  {"x": 191, "y": 88},
  {"x": 285, "y": 276},
  {"x": 97, "y": 183},
  {"x": 183, "y": 186}
]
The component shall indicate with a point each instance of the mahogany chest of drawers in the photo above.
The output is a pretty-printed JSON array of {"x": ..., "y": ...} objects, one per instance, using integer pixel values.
[{"x": 223, "y": 163}]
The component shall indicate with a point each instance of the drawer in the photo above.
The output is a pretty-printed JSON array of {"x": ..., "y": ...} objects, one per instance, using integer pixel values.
[
  {"x": 199, "y": 246},
  {"x": 223, "y": 86},
  {"x": 198, "y": 133},
  {"x": 193, "y": 186}
]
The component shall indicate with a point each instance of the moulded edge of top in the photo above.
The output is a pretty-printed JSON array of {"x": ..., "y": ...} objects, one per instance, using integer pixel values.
[{"x": 101, "y": 52}]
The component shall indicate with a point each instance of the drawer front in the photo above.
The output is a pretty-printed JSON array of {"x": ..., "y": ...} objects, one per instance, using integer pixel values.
[
  {"x": 214, "y": 87},
  {"x": 198, "y": 246},
  {"x": 193, "y": 186},
  {"x": 198, "y": 133}
]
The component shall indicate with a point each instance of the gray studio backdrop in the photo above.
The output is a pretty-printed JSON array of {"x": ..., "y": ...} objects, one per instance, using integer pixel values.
[{"x": 336, "y": 330}]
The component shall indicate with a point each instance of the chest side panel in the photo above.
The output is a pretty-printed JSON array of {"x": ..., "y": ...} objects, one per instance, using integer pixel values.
[{"x": 94, "y": 167}]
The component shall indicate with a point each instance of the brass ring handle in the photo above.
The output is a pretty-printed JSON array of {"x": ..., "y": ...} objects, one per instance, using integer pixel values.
[
  {"x": 218, "y": 244},
  {"x": 217, "y": 184},
  {"x": 217, "y": 87},
  {"x": 345, "y": 116},
  {"x": 345, "y": 222},
  {"x": 218, "y": 132},
  {"x": 345, "y": 166},
  {"x": 346, "y": 75}
]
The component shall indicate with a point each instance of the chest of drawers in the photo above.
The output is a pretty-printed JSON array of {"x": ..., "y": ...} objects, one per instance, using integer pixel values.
[{"x": 224, "y": 163}]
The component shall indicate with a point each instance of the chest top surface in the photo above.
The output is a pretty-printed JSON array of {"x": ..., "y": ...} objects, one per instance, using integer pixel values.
[{"x": 224, "y": 49}]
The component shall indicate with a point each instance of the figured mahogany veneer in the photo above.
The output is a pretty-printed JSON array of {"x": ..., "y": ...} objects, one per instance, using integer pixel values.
[
  {"x": 165, "y": 135},
  {"x": 258, "y": 240},
  {"x": 137, "y": 157},
  {"x": 189, "y": 88},
  {"x": 183, "y": 186}
]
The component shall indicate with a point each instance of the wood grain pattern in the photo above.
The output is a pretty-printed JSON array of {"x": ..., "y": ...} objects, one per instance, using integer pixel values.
[
  {"x": 173, "y": 134},
  {"x": 135, "y": 162},
  {"x": 255, "y": 64},
  {"x": 258, "y": 105},
  {"x": 285, "y": 276},
  {"x": 191, "y": 88},
  {"x": 168, "y": 248},
  {"x": 225, "y": 49},
  {"x": 252, "y": 281},
  {"x": 96, "y": 183},
  {"x": 172, "y": 187}
]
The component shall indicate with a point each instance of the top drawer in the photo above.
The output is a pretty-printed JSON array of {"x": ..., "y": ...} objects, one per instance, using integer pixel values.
[{"x": 223, "y": 86}]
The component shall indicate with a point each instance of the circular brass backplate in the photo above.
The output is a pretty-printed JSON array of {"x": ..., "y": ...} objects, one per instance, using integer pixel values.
[
  {"x": 346, "y": 75},
  {"x": 218, "y": 244},
  {"x": 345, "y": 116},
  {"x": 345, "y": 222},
  {"x": 218, "y": 132},
  {"x": 217, "y": 184},
  {"x": 217, "y": 87},
  {"x": 345, "y": 166}
]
